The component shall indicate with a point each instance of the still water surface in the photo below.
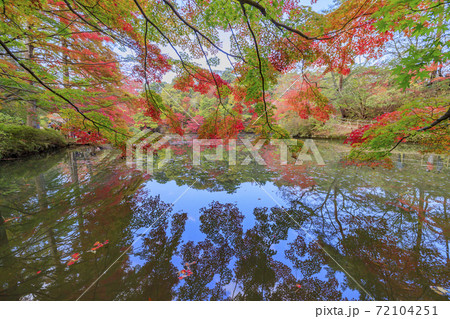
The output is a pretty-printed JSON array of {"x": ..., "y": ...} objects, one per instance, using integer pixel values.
[{"x": 221, "y": 232}]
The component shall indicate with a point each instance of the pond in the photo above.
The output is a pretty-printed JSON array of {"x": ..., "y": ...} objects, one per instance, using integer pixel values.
[{"x": 81, "y": 224}]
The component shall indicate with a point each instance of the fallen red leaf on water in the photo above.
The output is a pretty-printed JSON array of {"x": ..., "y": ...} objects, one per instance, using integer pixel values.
[
  {"x": 186, "y": 272},
  {"x": 97, "y": 245},
  {"x": 74, "y": 259}
]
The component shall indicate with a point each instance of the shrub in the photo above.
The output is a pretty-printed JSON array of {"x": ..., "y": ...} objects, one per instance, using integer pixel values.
[
  {"x": 20, "y": 140},
  {"x": 7, "y": 119}
]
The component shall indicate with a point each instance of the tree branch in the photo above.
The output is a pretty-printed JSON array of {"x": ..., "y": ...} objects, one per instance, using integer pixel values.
[
  {"x": 444, "y": 117},
  {"x": 197, "y": 31},
  {"x": 183, "y": 63},
  {"x": 277, "y": 23},
  {"x": 259, "y": 68},
  {"x": 91, "y": 24}
]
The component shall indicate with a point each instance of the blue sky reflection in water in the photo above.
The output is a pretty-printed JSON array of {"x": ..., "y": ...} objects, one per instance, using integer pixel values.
[{"x": 387, "y": 227}]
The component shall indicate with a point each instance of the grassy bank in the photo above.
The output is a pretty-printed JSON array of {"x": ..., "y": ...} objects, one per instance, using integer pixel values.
[{"x": 19, "y": 140}]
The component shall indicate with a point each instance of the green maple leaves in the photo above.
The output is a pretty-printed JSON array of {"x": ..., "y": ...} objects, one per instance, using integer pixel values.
[{"x": 426, "y": 22}]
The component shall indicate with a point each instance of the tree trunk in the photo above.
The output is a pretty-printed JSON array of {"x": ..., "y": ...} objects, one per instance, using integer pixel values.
[
  {"x": 438, "y": 71},
  {"x": 66, "y": 73},
  {"x": 32, "y": 119}
]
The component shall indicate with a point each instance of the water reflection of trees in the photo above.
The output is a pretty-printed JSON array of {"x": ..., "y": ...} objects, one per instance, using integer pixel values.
[
  {"x": 387, "y": 229},
  {"x": 213, "y": 176},
  {"x": 59, "y": 213},
  {"x": 244, "y": 261}
]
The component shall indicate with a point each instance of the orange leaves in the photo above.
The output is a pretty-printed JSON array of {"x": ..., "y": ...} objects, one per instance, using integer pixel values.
[
  {"x": 152, "y": 64},
  {"x": 84, "y": 137},
  {"x": 306, "y": 100},
  {"x": 90, "y": 36},
  {"x": 174, "y": 123},
  {"x": 97, "y": 245},
  {"x": 291, "y": 175},
  {"x": 202, "y": 81},
  {"x": 73, "y": 55},
  {"x": 5, "y": 220},
  {"x": 151, "y": 110},
  {"x": 283, "y": 55},
  {"x": 184, "y": 273},
  {"x": 74, "y": 259},
  {"x": 348, "y": 32}
]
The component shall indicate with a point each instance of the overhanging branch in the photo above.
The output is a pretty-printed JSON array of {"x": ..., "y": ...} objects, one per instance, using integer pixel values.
[
  {"x": 444, "y": 117},
  {"x": 197, "y": 31}
]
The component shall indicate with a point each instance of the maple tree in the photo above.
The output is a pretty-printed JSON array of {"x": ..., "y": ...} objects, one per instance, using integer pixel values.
[{"x": 70, "y": 66}]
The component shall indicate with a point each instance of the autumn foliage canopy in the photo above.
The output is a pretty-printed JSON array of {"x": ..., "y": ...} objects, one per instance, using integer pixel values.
[{"x": 100, "y": 63}]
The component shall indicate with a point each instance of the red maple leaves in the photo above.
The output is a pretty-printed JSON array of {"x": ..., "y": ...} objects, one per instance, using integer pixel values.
[
  {"x": 202, "y": 81},
  {"x": 305, "y": 99},
  {"x": 84, "y": 136}
]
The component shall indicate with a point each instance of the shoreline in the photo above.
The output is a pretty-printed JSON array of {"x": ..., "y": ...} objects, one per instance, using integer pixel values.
[{"x": 20, "y": 141}]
